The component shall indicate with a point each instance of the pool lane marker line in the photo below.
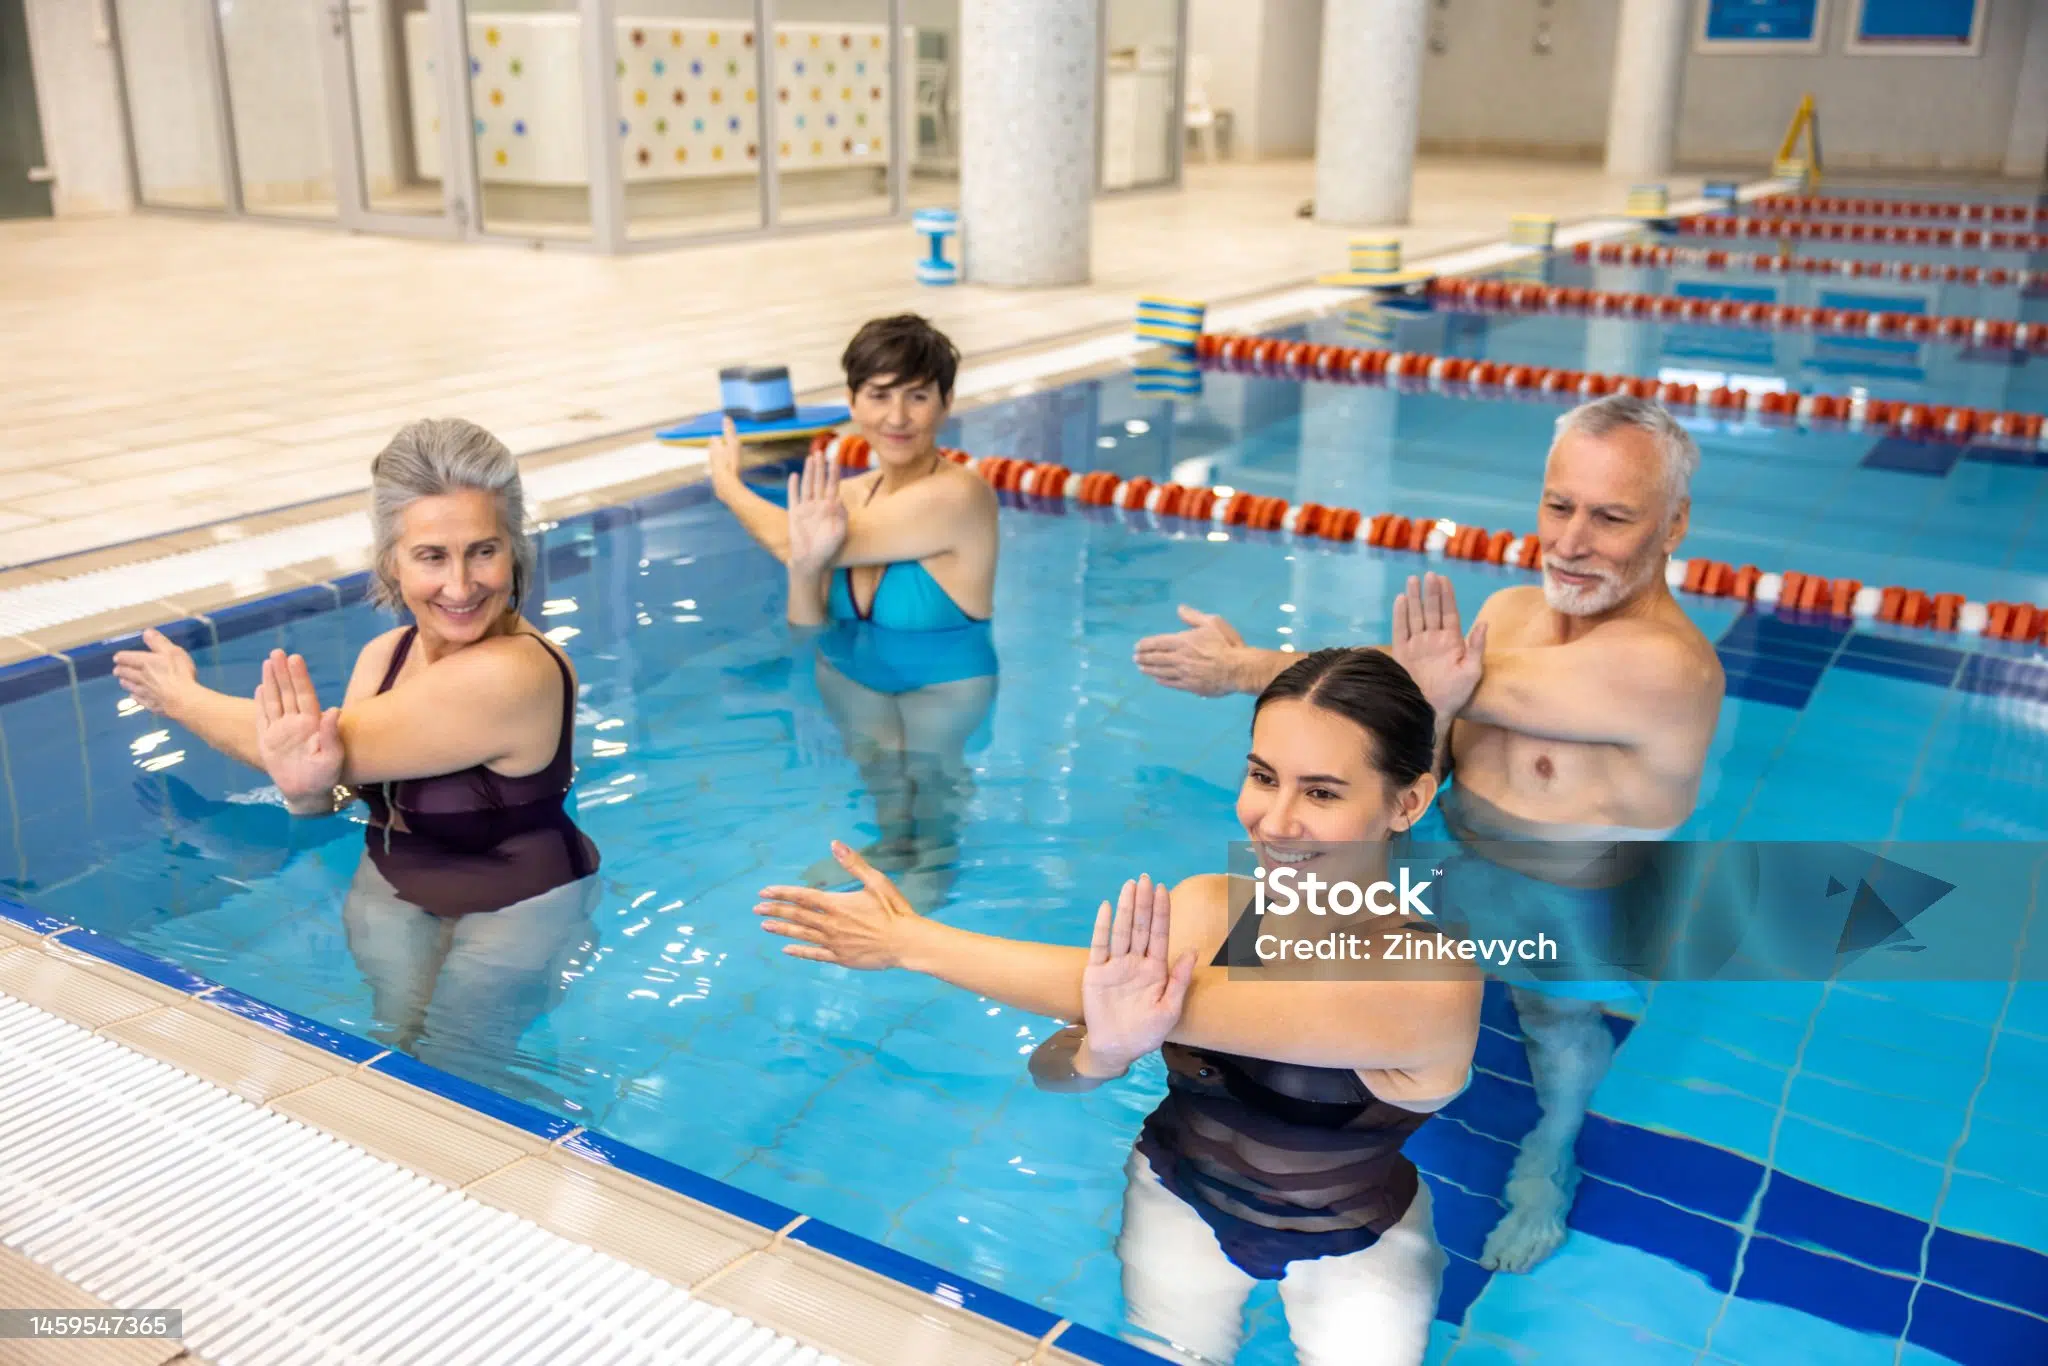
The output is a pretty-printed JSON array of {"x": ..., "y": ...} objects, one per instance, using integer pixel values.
[
  {"x": 1895, "y": 234},
  {"x": 1512, "y": 296},
  {"x": 1775, "y": 263},
  {"x": 1842, "y": 206},
  {"x": 1441, "y": 537}
]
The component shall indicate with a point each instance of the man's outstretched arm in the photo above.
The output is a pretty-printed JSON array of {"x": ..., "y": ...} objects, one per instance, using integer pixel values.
[{"x": 1210, "y": 658}]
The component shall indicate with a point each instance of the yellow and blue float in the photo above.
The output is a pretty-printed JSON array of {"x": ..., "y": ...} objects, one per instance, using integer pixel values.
[
  {"x": 1376, "y": 264},
  {"x": 1538, "y": 230},
  {"x": 1175, "y": 325}
]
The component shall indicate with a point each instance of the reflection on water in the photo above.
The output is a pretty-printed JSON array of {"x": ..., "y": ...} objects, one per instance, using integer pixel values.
[
  {"x": 910, "y": 707},
  {"x": 458, "y": 991}
]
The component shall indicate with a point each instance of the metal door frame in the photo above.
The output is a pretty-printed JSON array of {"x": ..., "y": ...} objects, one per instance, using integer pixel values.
[
  {"x": 445, "y": 19},
  {"x": 1176, "y": 120},
  {"x": 223, "y": 126}
]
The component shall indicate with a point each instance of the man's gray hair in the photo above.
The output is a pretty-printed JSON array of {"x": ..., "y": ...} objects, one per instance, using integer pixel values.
[
  {"x": 433, "y": 457},
  {"x": 1675, "y": 446}
]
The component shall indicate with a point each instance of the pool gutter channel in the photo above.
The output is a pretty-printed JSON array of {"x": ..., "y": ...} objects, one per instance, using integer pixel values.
[{"x": 820, "y": 1285}]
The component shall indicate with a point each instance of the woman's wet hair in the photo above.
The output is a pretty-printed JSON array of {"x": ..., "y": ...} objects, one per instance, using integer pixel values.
[
  {"x": 433, "y": 457},
  {"x": 1369, "y": 688},
  {"x": 905, "y": 348}
]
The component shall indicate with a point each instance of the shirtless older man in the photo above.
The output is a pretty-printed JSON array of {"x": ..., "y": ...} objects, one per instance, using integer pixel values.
[{"x": 1583, "y": 710}]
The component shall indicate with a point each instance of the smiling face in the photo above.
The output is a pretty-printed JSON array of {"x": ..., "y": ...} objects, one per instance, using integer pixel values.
[
  {"x": 454, "y": 565},
  {"x": 1606, "y": 524},
  {"x": 1313, "y": 795},
  {"x": 901, "y": 420}
]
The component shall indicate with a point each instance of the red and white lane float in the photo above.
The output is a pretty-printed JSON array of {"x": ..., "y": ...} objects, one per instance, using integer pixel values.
[
  {"x": 1897, "y": 234},
  {"x": 1482, "y": 378},
  {"x": 1840, "y": 206},
  {"x": 1493, "y": 296},
  {"x": 1642, "y": 254},
  {"x": 1200, "y": 505}
]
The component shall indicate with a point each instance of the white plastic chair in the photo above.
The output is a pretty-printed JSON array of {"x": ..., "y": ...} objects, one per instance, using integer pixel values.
[
  {"x": 932, "y": 81},
  {"x": 1201, "y": 116}
]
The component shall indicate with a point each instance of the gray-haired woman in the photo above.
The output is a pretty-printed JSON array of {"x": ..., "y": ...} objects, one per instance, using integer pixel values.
[{"x": 455, "y": 731}]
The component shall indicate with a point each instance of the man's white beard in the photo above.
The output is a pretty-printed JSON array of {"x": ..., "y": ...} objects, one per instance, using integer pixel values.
[{"x": 1604, "y": 595}]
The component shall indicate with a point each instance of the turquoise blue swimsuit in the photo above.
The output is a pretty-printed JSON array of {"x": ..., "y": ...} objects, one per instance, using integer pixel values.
[
  {"x": 907, "y": 598},
  {"x": 913, "y": 635}
]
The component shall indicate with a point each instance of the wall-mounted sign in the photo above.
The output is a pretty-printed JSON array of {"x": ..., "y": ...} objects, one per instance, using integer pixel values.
[
  {"x": 1917, "y": 28},
  {"x": 1729, "y": 26}
]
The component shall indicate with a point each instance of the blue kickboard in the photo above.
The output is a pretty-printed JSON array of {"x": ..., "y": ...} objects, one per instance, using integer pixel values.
[{"x": 808, "y": 421}]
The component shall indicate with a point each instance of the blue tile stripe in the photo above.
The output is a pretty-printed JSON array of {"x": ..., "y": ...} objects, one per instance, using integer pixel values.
[{"x": 1686, "y": 1202}]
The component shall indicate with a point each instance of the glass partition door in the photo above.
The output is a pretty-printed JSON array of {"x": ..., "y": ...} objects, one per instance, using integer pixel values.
[
  {"x": 616, "y": 123},
  {"x": 397, "y": 114}
]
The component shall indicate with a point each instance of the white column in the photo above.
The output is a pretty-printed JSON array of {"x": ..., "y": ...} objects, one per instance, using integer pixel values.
[
  {"x": 1027, "y": 135},
  {"x": 1649, "y": 76},
  {"x": 2026, "y": 146},
  {"x": 1369, "y": 109}
]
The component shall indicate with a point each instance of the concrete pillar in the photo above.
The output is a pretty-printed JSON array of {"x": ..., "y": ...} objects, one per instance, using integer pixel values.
[
  {"x": 1027, "y": 139},
  {"x": 1369, "y": 109},
  {"x": 2026, "y": 145},
  {"x": 1649, "y": 78}
]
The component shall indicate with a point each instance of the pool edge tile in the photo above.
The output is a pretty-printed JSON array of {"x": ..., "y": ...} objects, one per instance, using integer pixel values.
[
  {"x": 605, "y": 1151},
  {"x": 348, "y": 1047},
  {"x": 918, "y": 1274},
  {"x": 40, "y": 923},
  {"x": 403, "y": 1067}
]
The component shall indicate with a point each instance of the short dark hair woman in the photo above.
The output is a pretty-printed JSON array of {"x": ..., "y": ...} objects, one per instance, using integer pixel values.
[{"x": 898, "y": 565}]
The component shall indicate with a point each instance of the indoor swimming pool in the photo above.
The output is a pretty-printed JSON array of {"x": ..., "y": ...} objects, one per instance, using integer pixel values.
[{"x": 1778, "y": 1174}]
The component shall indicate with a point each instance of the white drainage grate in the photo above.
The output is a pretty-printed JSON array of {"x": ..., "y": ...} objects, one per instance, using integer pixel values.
[{"x": 153, "y": 1189}]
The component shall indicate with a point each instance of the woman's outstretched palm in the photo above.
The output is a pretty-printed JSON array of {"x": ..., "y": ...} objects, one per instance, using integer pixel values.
[
  {"x": 1130, "y": 998},
  {"x": 817, "y": 517},
  {"x": 300, "y": 744}
]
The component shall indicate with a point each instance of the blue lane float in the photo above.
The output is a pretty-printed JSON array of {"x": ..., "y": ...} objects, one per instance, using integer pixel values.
[{"x": 937, "y": 227}]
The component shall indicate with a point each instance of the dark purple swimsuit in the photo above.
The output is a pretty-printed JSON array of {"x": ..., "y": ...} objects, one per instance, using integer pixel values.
[{"x": 477, "y": 840}]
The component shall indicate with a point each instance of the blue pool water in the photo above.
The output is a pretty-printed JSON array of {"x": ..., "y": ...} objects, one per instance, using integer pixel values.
[{"x": 1777, "y": 1173}]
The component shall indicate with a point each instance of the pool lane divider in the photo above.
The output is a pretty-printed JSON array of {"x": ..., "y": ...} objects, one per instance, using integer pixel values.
[
  {"x": 1483, "y": 378},
  {"x": 1775, "y": 263},
  {"x": 1439, "y": 537},
  {"x": 1843, "y": 206},
  {"x": 1512, "y": 296},
  {"x": 1895, "y": 234}
]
